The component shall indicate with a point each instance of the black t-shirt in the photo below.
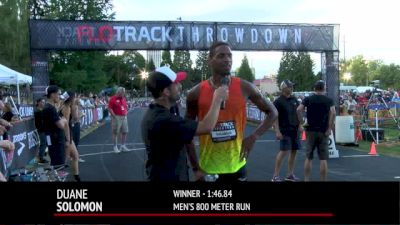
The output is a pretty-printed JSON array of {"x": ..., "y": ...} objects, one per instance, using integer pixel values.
[
  {"x": 165, "y": 135},
  {"x": 287, "y": 107},
  {"x": 318, "y": 107},
  {"x": 38, "y": 114},
  {"x": 51, "y": 117},
  {"x": 7, "y": 116}
]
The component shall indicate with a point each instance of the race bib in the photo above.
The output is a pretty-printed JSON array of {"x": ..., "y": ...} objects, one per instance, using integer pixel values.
[{"x": 224, "y": 131}]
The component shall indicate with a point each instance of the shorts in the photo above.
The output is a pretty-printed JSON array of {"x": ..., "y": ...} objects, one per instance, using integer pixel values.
[
  {"x": 320, "y": 141},
  {"x": 57, "y": 154},
  {"x": 240, "y": 175},
  {"x": 120, "y": 124},
  {"x": 290, "y": 141},
  {"x": 76, "y": 133}
]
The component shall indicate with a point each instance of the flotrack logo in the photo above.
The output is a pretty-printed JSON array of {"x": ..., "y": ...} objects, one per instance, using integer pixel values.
[
  {"x": 33, "y": 139},
  {"x": 19, "y": 138}
]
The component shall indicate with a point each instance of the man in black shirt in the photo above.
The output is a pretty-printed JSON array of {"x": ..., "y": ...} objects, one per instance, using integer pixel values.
[
  {"x": 40, "y": 128},
  {"x": 165, "y": 133},
  {"x": 320, "y": 118},
  {"x": 55, "y": 127},
  {"x": 287, "y": 129}
]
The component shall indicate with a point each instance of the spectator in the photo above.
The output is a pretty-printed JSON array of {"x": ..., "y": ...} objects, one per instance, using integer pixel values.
[
  {"x": 118, "y": 110},
  {"x": 9, "y": 147},
  {"x": 76, "y": 116},
  {"x": 350, "y": 104},
  {"x": 8, "y": 114},
  {"x": 55, "y": 127},
  {"x": 70, "y": 149},
  {"x": 40, "y": 128},
  {"x": 320, "y": 116}
]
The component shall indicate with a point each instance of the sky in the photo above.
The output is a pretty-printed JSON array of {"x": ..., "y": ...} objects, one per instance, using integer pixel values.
[{"x": 368, "y": 28}]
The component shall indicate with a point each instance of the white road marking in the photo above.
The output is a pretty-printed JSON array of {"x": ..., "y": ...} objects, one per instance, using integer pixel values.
[
  {"x": 357, "y": 156},
  {"x": 112, "y": 152},
  {"x": 196, "y": 143},
  {"x": 95, "y": 145},
  {"x": 261, "y": 141}
]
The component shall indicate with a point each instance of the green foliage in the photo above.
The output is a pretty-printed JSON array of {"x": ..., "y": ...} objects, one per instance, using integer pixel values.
[
  {"x": 297, "y": 67},
  {"x": 389, "y": 75},
  {"x": 81, "y": 71},
  {"x": 74, "y": 9},
  {"x": 182, "y": 62},
  {"x": 150, "y": 66},
  {"x": 244, "y": 71},
  {"x": 359, "y": 71},
  {"x": 364, "y": 71},
  {"x": 202, "y": 68},
  {"x": 14, "y": 39},
  {"x": 166, "y": 58}
]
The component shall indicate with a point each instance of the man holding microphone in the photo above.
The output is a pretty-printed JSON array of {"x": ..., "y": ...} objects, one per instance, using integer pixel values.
[{"x": 165, "y": 133}]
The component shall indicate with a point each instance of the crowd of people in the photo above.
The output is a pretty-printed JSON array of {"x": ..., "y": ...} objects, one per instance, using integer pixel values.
[
  {"x": 58, "y": 122},
  {"x": 215, "y": 111},
  {"x": 352, "y": 103}
]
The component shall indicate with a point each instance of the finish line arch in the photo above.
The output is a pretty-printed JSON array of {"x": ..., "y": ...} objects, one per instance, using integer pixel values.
[{"x": 46, "y": 35}]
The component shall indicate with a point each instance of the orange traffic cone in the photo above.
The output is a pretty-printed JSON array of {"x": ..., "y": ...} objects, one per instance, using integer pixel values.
[
  {"x": 303, "y": 136},
  {"x": 372, "y": 150}
]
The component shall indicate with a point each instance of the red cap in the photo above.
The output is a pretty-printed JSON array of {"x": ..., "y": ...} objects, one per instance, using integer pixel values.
[{"x": 180, "y": 76}]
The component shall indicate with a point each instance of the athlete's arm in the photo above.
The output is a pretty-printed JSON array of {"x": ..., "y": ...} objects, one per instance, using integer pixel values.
[
  {"x": 191, "y": 113},
  {"x": 66, "y": 111},
  {"x": 208, "y": 123},
  {"x": 300, "y": 111},
  {"x": 277, "y": 130},
  {"x": 332, "y": 115},
  {"x": 110, "y": 106},
  {"x": 250, "y": 91}
]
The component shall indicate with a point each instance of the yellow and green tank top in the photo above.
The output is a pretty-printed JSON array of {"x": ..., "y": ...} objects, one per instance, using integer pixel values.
[{"x": 220, "y": 150}]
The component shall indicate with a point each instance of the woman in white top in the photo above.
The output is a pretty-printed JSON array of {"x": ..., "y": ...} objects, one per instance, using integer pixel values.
[{"x": 350, "y": 103}]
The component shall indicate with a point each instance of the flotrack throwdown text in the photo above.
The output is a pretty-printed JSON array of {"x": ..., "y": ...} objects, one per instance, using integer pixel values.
[{"x": 76, "y": 200}]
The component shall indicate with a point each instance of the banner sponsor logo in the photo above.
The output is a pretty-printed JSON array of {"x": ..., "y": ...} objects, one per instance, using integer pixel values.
[
  {"x": 177, "y": 35},
  {"x": 33, "y": 139},
  {"x": 19, "y": 138},
  {"x": 25, "y": 111},
  {"x": 39, "y": 63}
]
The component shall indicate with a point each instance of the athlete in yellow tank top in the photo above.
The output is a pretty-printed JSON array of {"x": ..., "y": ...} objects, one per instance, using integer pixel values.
[{"x": 224, "y": 151}]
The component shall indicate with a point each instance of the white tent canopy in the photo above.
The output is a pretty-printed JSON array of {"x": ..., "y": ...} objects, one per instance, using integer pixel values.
[{"x": 12, "y": 77}]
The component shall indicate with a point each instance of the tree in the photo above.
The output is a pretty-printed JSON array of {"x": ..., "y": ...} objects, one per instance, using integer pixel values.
[
  {"x": 14, "y": 39},
  {"x": 182, "y": 62},
  {"x": 359, "y": 71},
  {"x": 202, "y": 67},
  {"x": 150, "y": 66},
  {"x": 297, "y": 67},
  {"x": 166, "y": 58},
  {"x": 245, "y": 71},
  {"x": 89, "y": 63},
  {"x": 374, "y": 69},
  {"x": 389, "y": 76}
]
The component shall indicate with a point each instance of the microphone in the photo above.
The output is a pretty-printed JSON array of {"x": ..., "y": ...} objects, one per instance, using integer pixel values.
[{"x": 224, "y": 81}]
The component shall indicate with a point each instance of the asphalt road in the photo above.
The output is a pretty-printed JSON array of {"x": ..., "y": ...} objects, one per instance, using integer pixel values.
[{"x": 102, "y": 164}]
